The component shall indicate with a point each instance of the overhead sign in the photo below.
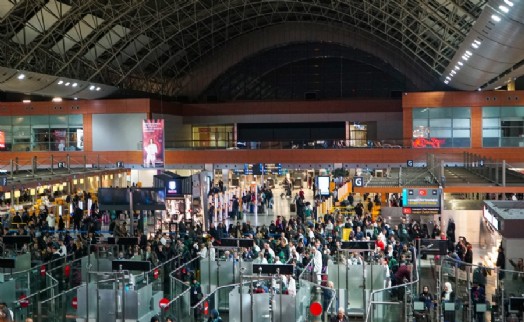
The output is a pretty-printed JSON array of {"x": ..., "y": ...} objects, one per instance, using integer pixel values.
[
  {"x": 421, "y": 197},
  {"x": 420, "y": 211},
  {"x": 358, "y": 181}
]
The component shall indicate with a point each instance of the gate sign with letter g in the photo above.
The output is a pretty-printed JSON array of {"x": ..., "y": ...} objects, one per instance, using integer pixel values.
[{"x": 358, "y": 181}]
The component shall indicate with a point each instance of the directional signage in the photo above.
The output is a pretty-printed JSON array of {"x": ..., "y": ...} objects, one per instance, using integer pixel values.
[
  {"x": 410, "y": 163},
  {"x": 421, "y": 201},
  {"x": 358, "y": 181}
]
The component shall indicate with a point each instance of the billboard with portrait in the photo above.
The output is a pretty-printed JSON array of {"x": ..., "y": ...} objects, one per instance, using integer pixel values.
[
  {"x": 153, "y": 143},
  {"x": 2, "y": 140}
]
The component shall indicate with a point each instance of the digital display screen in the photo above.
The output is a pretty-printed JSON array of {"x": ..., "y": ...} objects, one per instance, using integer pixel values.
[
  {"x": 174, "y": 187},
  {"x": 323, "y": 185},
  {"x": 149, "y": 199}
]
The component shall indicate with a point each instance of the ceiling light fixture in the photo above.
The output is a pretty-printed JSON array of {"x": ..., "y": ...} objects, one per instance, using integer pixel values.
[
  {"x": 495, "y": 18},
  {"x": 446, "y": 82},
  {"x": 474, "y": 45},
  {"x": 75, "y": 84},
  {"x": 460, "y": 63},
  {"x": 509, "y": 3},
  {"x": 453, "y": 72},
  {"x": 464, "y": 57},
  {"x": 469, "y": 53},
  {"x": 457, "y": 68},
  {"x": 60, "y": 82},
  {"x": 67, "y": 84},
  {"x": 26, "y": 101},
  {"x": 92, "y": 87},
  {"x": 504, "y": 9},
  {"x": 448, "y": 78},
  {"x": 98, "y": 88},
  {"x": 57, "y": 99},
  {"x": 21, "y": 76}
]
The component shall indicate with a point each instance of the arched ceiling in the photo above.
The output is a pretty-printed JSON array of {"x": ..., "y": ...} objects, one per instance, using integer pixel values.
[{"x": 163, "y": 47}]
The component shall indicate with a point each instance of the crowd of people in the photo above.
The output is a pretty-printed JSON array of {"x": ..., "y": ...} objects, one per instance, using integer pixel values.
[{"x": 308, "y": 240}]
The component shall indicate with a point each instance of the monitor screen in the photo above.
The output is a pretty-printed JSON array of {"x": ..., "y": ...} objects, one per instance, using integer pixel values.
[
  {"x": 516, "y": 304},
  {"x": 149, "y": 199},
  {"x": 174, "y": 187},
  {"x": 481, "y": 307},
  {"x": 418, "y": 306},
  {"x": 113, "y": 197},
  {"x": 323, "y": 185}
]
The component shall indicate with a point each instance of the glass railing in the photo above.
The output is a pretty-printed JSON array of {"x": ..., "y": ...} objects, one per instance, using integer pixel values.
[
  {"x": 394, "y": 303},
  {"x": 470, "y": 292},
  {"x": 287, "y": 144}
]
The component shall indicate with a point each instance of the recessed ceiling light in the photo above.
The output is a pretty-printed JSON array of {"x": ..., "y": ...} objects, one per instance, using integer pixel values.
[
  {"x": 26, "y": 101},
  {"x": 464, "y": 57},
  {"x": 21, "y": 76},
  {"x": 504, "y": 9},
  {"x": 446, "y": 82},
  {"x": 479, "y": 89},
  {"x": 474, "y": 45},
  {"x": 509, "y": 3},
  {"x": 76, "y": 98},
  {"x": 67, "y": 84},
  {"x": 98, "y": 88},
  {"x": 495, "y": 18},
  {"x": 453, "y": 72},
  {"x": 457, "y": 67},
  {"x": 60, "y": 82},
  {"x": 460, "y": 63},
  {"x": 57, "y": 99},
  {"x": 75, "y": 84},
  {"x": 92, "y": 87},
  {"x": 469, "y": 53}
]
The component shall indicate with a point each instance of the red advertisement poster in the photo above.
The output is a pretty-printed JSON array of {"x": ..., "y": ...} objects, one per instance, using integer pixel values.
[
  {"x": 153, "y": 143},
  {"x": 2, "y": 140}
]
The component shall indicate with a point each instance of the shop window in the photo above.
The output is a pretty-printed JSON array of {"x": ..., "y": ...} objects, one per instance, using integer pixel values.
[{"x": 43, "y": 133}]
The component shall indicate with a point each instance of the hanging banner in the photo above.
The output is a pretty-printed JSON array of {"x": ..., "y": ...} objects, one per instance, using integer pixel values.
[
  {"x": 2, "y": 140},
  {"x": 153, "y": 143}
]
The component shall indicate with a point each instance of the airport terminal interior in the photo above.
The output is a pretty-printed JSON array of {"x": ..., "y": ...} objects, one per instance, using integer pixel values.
[{"x": 249, "y": 161}]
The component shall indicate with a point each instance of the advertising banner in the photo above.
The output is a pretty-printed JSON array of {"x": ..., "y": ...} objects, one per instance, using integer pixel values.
[
  {"x": 153, "y": 143},
  {"x": 2, "y": 140}
]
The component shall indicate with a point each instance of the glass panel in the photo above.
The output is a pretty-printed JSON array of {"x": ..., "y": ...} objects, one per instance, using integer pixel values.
[
  {"x": 461, "y": 123},
  {"x": 21, "y": 138},
  {"x": 494, "y": 122},
  {"x": 21, "y": 120},
  {"x": 40, "y": 139},
  {"x": 440, "y": 133},
  {"x": 76, "y": 119},
  {"x": 420, "y": 122},
  {"x": 490, "y": 112},
  {"x": 490, "y": 142},
  {"x": 59, "y": 139},
  {"x": 461, "y": 133},
  {"x": 40, "y": 120},
  {"x": 461, "y": 142},
  {"x": 491, "y": 133},
  {"x": 420, "y": 113},
  {"x": 440, "y": 123},
  {"x": 440, "y": 112},
  {"x": 8, "y": 136},
  {"x": 512, "y": 111},
  {"x": 58, "y": 120},
  {"x": 462, "y": 112},
  {"x": 5, "y": 120}
]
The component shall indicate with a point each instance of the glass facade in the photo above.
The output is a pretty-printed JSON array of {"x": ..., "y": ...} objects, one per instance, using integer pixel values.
[
  {"x": 213, "y": 136},
  {"x": 503, "y": 126},
  {"x": 43, "y": 132},
  {"x": 446, "y": 127}
]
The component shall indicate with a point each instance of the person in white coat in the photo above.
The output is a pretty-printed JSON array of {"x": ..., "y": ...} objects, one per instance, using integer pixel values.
[
  {"x": 291, "y": 286},
  {"x": 317, "y": 263}
]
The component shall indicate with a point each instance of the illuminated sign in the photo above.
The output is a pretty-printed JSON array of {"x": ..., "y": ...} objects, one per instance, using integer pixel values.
[
  {"x": 427, "y": 143},
  {"x": 2, "y": 140},
  {"x": 323, "y": 185},
  {"x": 420, "y": 201}
]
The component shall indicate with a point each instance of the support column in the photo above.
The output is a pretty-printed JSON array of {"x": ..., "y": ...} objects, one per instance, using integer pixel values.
[{"x": 503, "y": 173}]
